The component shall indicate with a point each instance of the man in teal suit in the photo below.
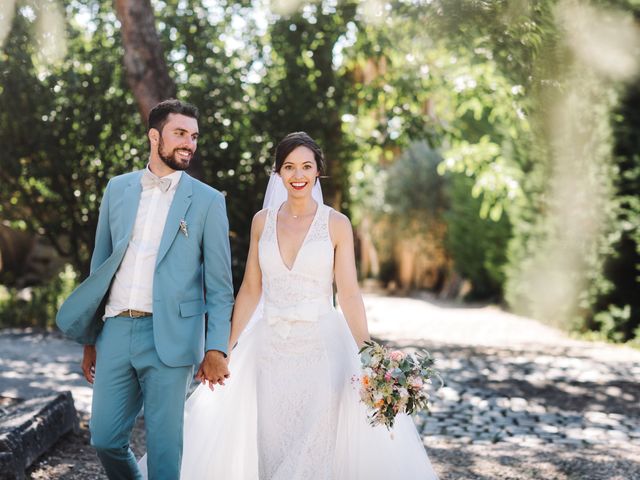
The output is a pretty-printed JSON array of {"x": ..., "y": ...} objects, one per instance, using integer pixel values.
[{"x": 161, "y": 261}]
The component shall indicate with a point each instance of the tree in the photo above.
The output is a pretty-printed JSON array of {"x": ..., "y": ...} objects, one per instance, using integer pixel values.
[
  {"x": 572, "y": 221},
  {"x": 144, "y": 60},
  {"x": 304, "y": 90},
  {"x": 67, "y": 128}
]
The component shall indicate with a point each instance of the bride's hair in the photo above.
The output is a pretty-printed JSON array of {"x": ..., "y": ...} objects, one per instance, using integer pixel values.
[{"x": 293, "y": 141}]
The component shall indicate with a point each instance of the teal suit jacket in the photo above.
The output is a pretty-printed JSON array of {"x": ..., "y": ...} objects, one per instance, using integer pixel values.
[{"x": 192, "y": 273}]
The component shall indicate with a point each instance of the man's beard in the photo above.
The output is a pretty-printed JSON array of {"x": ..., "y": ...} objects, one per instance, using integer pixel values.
[{"x": 173, "y": 161}]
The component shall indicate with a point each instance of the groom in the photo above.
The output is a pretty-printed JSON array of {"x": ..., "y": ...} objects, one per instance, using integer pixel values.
[{"x": 161, "y": 262}]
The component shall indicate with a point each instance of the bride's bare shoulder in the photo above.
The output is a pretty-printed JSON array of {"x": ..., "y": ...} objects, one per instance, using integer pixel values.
[
  {"x": 257, "y": 224},
  {"x": 338, "y": 218},
  {"x": 260, "y": 216},
  {"x": 339, "y": 226}
]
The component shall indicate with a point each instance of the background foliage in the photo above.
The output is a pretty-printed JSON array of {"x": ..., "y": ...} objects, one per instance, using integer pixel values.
[{"x": 493, "y": 142}]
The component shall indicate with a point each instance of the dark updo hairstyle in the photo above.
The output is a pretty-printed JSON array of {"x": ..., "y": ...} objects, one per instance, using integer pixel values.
[
  {"x": 293, "y": 141},
  {"x": 159, "y": 114}
]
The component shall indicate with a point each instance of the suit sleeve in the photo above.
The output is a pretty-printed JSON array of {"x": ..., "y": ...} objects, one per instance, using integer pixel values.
[
  {"x": 218, "y": 281},
  {"x": 103, "y": 246}
]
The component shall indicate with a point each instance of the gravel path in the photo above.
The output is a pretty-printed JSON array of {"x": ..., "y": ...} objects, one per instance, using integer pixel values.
[{"x": 521, "y": 400}]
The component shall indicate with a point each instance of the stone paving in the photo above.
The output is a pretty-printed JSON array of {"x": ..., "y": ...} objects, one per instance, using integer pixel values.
[
  {"x": 533, "y": 398},
  {"x": 510, "y": 381},
  {"x": 519, "y": 396},
  {"x": 524, "y": 389}
]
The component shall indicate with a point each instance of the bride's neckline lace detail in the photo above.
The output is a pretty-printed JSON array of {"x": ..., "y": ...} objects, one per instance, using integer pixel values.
[
  {"x": 318, "y": 231},
  {"x": 311, "y": 277},
  {"x": 304, "y": 240}
]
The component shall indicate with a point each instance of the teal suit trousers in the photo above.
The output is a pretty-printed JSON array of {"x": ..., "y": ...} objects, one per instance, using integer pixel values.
[{"x": 128, "y": 369}]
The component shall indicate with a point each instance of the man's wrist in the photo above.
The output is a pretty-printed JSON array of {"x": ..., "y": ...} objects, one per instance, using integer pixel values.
[{"x": 213, "y": 351}]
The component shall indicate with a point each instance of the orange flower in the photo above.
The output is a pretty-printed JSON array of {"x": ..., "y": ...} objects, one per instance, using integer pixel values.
[
  {"x": 365, "y": 380},
  {"x": 379, "y": 403}
]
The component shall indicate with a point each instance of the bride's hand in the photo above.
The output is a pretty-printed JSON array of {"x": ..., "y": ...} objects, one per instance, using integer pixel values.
[{"x": 230, "y": 351}]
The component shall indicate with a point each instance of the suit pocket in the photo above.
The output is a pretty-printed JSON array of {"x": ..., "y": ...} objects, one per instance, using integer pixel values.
[{"x": 194, "y": 307}]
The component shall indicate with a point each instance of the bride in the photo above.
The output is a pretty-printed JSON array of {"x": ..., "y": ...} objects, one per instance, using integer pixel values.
[{"x": 290, "y": 409}]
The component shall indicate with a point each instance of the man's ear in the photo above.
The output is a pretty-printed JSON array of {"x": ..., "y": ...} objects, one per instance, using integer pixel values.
[{"x": 154, "y": 136}]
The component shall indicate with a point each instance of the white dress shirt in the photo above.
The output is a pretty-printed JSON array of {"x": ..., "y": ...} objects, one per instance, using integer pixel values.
[{"x": 132, "y": 286}]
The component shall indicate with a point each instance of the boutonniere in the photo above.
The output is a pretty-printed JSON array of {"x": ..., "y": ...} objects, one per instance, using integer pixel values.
[{"x": 183, "y": 227}]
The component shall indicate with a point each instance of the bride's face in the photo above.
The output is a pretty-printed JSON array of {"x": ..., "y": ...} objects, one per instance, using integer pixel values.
[{"x": 299, "y": 172}]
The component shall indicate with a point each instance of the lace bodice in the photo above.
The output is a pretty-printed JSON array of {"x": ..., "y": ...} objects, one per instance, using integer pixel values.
[{"x": 310, "y": 279}]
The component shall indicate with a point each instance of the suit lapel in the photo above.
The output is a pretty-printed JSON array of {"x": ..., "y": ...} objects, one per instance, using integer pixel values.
[
  {"x": 179, "y": 206},
  {"x": 130, "y": 202}
]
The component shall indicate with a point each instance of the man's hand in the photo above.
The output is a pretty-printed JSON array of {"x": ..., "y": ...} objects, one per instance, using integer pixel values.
[
  {"x": 89, "y": 363},
  {"x": 213, "y": 369}
]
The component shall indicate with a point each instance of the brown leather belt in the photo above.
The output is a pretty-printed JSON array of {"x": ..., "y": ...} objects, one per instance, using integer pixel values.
[{"x": 133, "y": 314}]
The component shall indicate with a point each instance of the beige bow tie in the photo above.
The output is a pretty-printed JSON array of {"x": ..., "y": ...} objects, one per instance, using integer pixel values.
[{"x": 149, "y": 180}]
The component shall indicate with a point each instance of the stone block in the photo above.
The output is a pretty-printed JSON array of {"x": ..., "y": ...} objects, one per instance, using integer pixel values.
[{"x": 28, "y": 429}]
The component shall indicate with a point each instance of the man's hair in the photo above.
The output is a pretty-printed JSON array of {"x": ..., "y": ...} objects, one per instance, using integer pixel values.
[
  {"x": 293, "y": 141},
  {"x": 159, "y": 114}
]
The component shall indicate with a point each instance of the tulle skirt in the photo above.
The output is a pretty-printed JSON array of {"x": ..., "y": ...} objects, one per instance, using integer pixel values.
[{"x": 221, "y": 437}]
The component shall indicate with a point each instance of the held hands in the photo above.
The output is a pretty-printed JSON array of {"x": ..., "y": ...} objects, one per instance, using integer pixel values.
[
  {"x": 213, "y": 369},
  {"x": 89, "y": 363}
]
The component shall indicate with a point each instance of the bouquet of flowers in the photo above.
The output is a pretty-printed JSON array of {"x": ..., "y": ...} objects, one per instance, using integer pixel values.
[{"x": 393, "y": 382}]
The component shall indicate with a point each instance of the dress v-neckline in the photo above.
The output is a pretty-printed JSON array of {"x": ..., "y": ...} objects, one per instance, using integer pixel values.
[{"x": 304, "y": 240}]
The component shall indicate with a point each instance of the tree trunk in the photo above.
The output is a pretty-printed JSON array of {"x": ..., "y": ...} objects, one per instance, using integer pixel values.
[{"x": 144, "y": 61}]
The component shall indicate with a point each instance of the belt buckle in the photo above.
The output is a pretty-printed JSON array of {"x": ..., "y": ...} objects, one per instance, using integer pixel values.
[{"x": 130, "y": 313}]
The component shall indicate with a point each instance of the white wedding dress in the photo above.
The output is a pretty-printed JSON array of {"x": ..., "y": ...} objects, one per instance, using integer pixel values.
[{"x": 290, "y": 409}]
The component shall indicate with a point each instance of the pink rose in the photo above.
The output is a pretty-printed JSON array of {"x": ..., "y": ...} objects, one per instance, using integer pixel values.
[{"x": 396, "y": 355}]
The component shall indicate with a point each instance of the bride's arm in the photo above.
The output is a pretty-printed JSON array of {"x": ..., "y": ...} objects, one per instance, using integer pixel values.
[
  {"x": 251, "y": 288},
  {"x": 349, "y": 295}
]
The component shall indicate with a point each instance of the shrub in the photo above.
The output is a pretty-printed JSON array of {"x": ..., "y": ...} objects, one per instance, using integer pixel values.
[{"x": 36, "y": 306}]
